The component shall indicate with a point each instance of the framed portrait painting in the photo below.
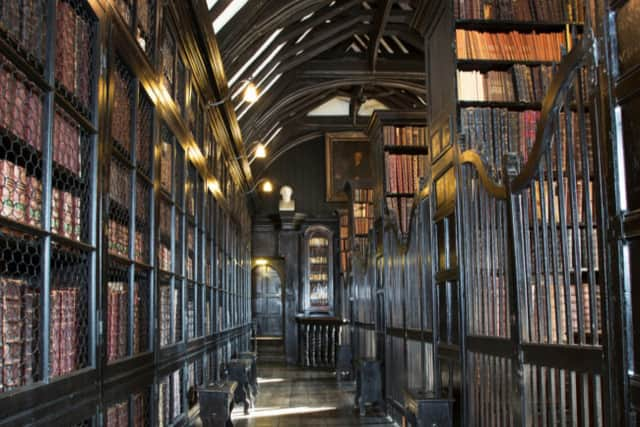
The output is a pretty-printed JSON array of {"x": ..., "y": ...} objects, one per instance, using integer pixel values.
[{"x": 347, "y": 157}]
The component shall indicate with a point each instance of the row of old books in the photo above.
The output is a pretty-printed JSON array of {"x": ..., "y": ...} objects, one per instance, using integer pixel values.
[
  {"x": 553, "y": 212},
  {"x": 344, "y": 241},
  {"x": 495, "y": 131},
  {"x": 512, "y": 10},
  {"x": 548, "y": 322},
  {"x": 580, "y": 241},
  {"x": 169, "y": 399},
  {"x": 168, "y": 311},
  {"x": 73, "y": 49},
  {"x": 64, "y": 341},
  {"x": 164, "y": 258},
  {"x": 21, "y": 115},
  {"x": 18, "y": 340},
  {"x": 407, "y": 136},
  {"x": 521, "y": 83},
  {"x": 509, "y": 46},
  {"x": 403, "y": 172},
  {"x": 166, "y": 166},
  {"x": 21, "y": 197},
  {"x": 119, "y": 185},
  {"x": 400, "y": 208},
  {"x": 24, "y": 23},
  {"x": 363, "y": 195},
  {"x": 117, "y": 415},
  {"x": 117, "y": 320},
  {"x": 20, "y": 105},
  {"x": 118, "y": 238},
  {"x": 122, "y": 109},
  {"x": 191, "y": 319}
]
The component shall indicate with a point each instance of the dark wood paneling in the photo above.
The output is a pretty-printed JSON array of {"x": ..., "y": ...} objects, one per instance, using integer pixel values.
[{"x": 303, "y": 169}]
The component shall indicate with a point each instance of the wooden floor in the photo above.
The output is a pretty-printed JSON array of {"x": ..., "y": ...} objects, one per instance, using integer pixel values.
[{"x": 299, "y": 397}]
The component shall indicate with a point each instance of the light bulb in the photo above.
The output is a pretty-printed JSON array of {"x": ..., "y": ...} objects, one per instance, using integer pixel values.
[
  {"x": 261, "y": 151},
  {"x": 214, "y": 186},
  {"x": 267, "y": 187},
  {"x": 250, "y": 93}
]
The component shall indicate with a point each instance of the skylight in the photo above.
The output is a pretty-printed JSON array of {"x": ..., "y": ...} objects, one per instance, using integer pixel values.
[
  {"x": 229, "y": 12},
  {"x": 338, "y": 106},
  {"x": 211, "y": 3},
  {"x": 262, "y": 48}
]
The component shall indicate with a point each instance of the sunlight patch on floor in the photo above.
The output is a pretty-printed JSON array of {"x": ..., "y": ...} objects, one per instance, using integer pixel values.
[
  {"x": 278, "y": 412},
  {"x": 270, "y": 380}
]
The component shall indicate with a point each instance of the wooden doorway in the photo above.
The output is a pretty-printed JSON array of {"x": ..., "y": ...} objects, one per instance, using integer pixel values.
[{"x": 267, "y": 301}]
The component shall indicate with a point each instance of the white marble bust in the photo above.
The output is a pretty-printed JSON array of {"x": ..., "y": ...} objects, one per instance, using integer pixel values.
[{"x": 287, "y": 203}]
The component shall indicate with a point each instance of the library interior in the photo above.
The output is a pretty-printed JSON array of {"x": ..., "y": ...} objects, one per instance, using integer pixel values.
[{"x": 319, "y": 213}]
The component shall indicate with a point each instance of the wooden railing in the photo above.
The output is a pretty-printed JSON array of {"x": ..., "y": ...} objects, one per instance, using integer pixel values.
[{"x": 318, "y": 340}]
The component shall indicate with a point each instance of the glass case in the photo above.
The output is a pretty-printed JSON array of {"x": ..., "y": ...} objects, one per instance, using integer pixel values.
[{"x": 318, "y": 274}]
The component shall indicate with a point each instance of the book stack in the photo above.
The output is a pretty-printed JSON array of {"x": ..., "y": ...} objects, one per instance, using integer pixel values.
[
  {"x": 191, "y": 317},
  {"x": 166, "y": 165},
  {"x": 122, "y": 109},
  {"x": 165, "y": 257},
  {"x": 20, "y": 105},
  {"x": 510, "y": 46},
  {"x": 494, "y": 131},
  {"x": 521, "y": 83},
  {"x": 18, "y": 340},
  {"x": 66, "y": 143},
  {"x": 403, "y": 173},
  {"x": 164, "y": 399},
  {"x": 20, "y": 194},
  {"x": 140, "y": 247},
  {"x": 176, "y": 395},
  {"x": 400, "y": 207},
  {"x": 118, "y": 415},
  {"x": 168, "y": 310},
  {"x": 139, "y": 321},
  {"x": 63, "y": 336},
  {"x": 73, "y": 44},
  {"x": 512, "y": 10},
  {"x": 144, "y": 134},
  {"x": 118, "y": 239},
  {"x": 65, "y": 214},
  {"x": 117, "y": 320},
  {"x": 406, "y": 136},
  {"x": 119, "y": 187},
  {"x": 139, "y": 410}
]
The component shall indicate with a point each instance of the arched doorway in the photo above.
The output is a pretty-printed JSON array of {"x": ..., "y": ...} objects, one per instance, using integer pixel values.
[{"x": 267, "y": 301}]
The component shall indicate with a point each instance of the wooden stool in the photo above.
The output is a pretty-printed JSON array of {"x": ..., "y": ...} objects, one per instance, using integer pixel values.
[
  {"x": 216, "y": 403},
  {"x": 368, "y": 383},
  {"x": 424, "y": 409},
  {"x": 239, "y": 370}
]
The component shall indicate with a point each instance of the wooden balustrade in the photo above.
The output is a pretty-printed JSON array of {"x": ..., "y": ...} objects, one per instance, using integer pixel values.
[{"x": 318, "y": 339}]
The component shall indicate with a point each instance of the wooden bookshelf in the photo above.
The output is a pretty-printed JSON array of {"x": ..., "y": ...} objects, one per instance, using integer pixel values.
[
  {"x": 400, "y": 157},
  {"x": 106, "y": 216}
]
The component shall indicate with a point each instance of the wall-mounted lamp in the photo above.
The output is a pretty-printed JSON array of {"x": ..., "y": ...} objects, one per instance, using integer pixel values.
[
  {"x": 249, "y": 95},
  {"x": 264, "y": 184}
]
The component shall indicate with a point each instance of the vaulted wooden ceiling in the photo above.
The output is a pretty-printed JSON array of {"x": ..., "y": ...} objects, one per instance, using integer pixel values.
[{"x": 302, "y": 53}]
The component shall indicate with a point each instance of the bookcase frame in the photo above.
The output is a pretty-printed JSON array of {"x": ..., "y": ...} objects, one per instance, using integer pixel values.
[{"x": 217, "y": 223}]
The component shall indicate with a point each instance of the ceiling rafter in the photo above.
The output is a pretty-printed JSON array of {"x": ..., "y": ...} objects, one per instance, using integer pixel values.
[
  {"x": 377, "y": 31},
  {"x": 270, "y": 20},
  {"x": 218, "y": 8}
]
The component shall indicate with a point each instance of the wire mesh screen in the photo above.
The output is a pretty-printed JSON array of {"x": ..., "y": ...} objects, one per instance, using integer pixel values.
[
  {"x": 75, "y": 53},
  {"x": 69, "y": 304},
  {"x": 141, "y": 409},
  {"x": 166, "y": 310},
  {"x": 178, "y": 310},
  {"x": 146, "y": 25},
  {"x": 123, "y": 102},
  {"x": 141, "y": 307},
  {"x": 144, "y": 134},
  {"x": 164, "y": 247},
  {"x": 142, "y": 241},
  {"x": 191, "y": 311},
  {"x": 20, "y": 147},
  {"x": 20, "y": 279},
  {"x": 23, "y": 24},
  {"x": 117, "y": 311},
  {"x": 119, "y": 208}
]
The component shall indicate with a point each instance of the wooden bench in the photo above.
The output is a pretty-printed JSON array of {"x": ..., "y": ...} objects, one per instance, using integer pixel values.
[{"x": 216, "y": 403}]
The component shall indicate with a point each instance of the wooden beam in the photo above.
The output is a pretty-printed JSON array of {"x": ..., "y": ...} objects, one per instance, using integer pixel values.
[
  {"x": 332, "y": 68},
  {"x": 377, "y": 30},
  {"x": 354, "y": 105}
]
